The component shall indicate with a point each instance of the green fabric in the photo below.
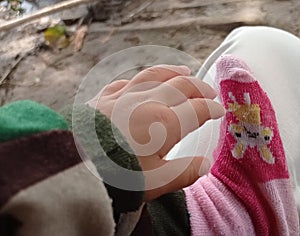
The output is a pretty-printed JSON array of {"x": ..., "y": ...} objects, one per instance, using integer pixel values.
[
  {"x": 23, "y": 118},
  {"x": 85, "y": 122},
  {"x": 169, "y": 215}
]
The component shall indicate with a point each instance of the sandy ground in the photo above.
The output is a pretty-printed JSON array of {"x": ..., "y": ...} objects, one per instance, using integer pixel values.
[{"x": 195, "y": 27}]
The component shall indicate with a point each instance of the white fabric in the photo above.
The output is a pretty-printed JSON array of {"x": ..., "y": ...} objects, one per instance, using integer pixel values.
[{"x": 274, "y": 58}]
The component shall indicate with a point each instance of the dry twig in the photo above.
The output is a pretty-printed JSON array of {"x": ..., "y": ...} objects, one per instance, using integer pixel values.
[
  {"x": 245, "y": 17},
  {"x": 163, "y": 6},
  {"x": 79, "y": 38},
  {"x": 43, "y": 12},
  {"x": 138, "y": 11},
  {"x": 109, "y": 35},
  {"x": 10, "y": 70}
]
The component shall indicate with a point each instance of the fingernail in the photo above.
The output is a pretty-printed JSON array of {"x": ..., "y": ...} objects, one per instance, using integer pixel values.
[
  {"x": 205, "y": 167},
  {"x": 183, "y": 70},
  {"x": 209, "y": 92},
  {"x": 215, "y": 92},
  {"x": 216, "y": 110}
]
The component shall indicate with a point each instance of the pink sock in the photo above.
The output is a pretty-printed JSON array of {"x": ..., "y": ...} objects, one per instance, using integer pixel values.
[{"x": 248, "y": 191}]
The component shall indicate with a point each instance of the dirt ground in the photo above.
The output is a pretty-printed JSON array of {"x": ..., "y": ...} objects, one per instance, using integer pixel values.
[{"x": 195, "y": 27}]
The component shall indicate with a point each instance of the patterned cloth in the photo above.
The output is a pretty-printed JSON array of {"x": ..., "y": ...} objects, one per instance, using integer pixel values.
[{"x": 46, "y": 188}]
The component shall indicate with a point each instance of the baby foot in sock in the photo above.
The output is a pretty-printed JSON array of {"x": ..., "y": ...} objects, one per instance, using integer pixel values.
[
  {"x": 248, "y": 191},
  {"x": 249, "y": 130},
  {"x": 250, "y": 158}
]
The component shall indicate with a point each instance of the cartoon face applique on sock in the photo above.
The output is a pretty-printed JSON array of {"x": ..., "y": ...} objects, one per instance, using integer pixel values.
[{"x": 248, "y": 131}]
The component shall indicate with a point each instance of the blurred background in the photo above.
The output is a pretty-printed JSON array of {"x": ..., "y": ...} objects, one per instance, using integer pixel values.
[{"x": 46, "y": 59}]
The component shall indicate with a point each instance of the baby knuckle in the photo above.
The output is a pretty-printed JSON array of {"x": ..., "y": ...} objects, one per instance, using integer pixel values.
[
  {"x": 165, "y": 116},
  {"x": 182, "y": 82}
]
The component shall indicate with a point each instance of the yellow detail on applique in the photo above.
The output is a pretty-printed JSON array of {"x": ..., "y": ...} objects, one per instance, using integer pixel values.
[
  {"x": 246, "y": 113},
  {"x": 267, "y": 155},
  {"x": 267, "y": 132},
  {"x": 233, "y": 106},
  {"x": 238, "y": 150},
  {"x": 237, "y": 128}
]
